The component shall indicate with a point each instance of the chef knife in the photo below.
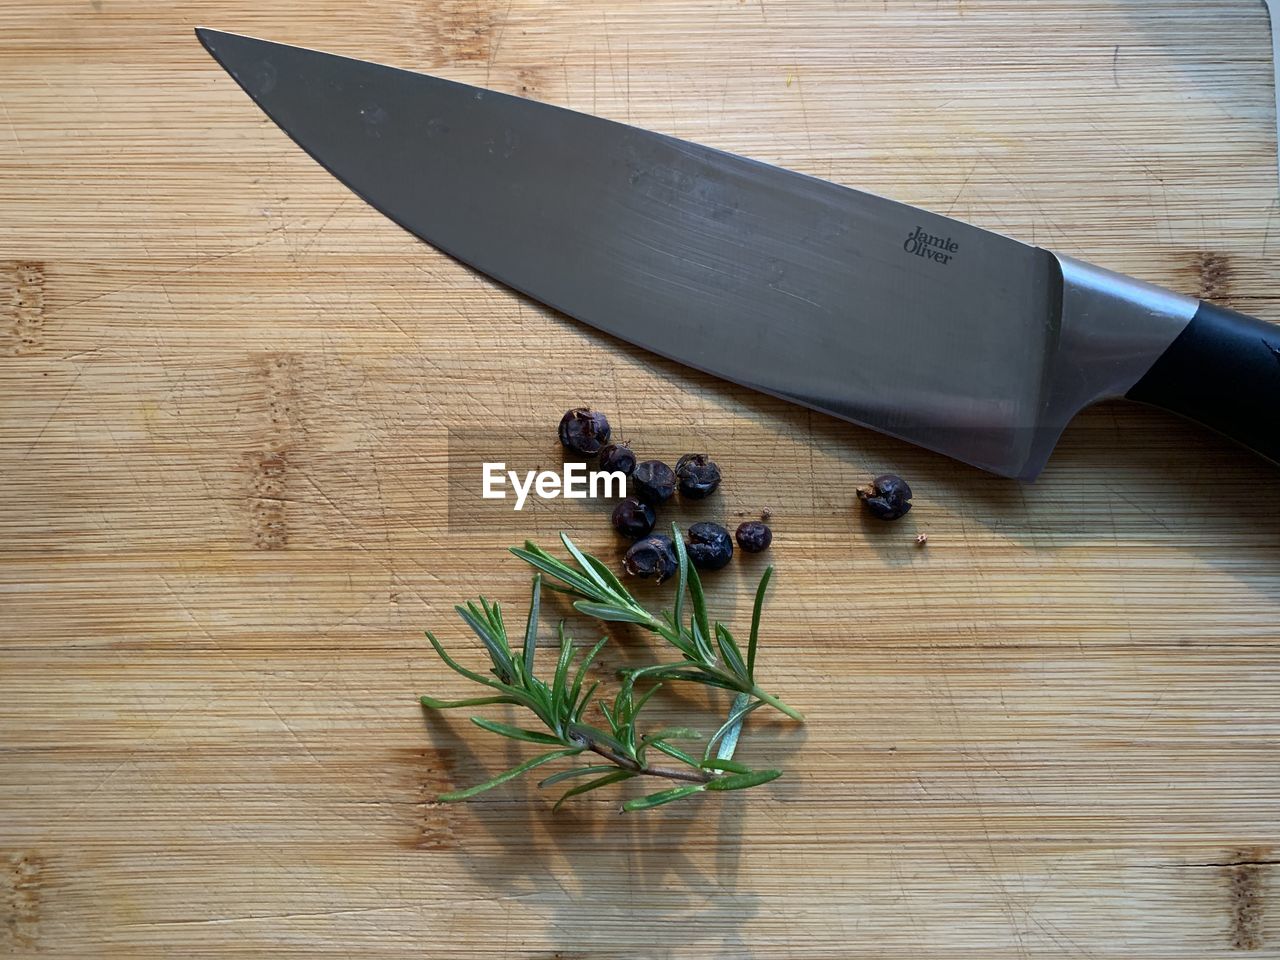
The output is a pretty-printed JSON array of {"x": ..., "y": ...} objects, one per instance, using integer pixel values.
[{"x": 920, "y": 326}]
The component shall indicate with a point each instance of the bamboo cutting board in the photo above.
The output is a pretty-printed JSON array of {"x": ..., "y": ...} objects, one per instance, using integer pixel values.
[{"x": 231, "y": 404}]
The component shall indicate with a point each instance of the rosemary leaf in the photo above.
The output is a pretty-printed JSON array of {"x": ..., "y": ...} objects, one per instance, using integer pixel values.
[
  {"x": 754, "y": 639},
  {"x": 682, "y": 579},
  {"x": 435, "y": 704},
  {"x": 742, "y": 705},
  {"x": 701, "y": 644},
  {"x": 741, "y": 781},
  {"x": 674, "y": 733},
  {"x": 508, "y": 775},
  {"x": 455, "y": 666},
  {"x": 561, "y": 588},
  {"x": 581, "y": 705},
  {"x": 500, "y": 657},
  {"x": 615, "y": 585},
  {"x": 576, "y": 772},
  {"x": 630, "y": 677},
  {"x": 777, "y": 704},
  {"x": 592, "y": 573},
  {"x": 609, "y": 716},
  {"x": 730, "y": 651},
  {"x": 531, "y": 625},
  {"x": 697, "y": 597},
  {"x": 731, "y": 766},
  {"x": 661, "y": 797},
  {"x": 576, "y": 689},
  {"x": 499, "y": 628},
  {"x": 639, "y": 704},
  {"x": 606, "y": 780},
  {"x": 558, "y": 691},
  {"x": 516, "y": 733},
  {"x": 674, "y": 752},
  {"x": 611, "y": 612},
  {"x": 693, "y": 673},
  {"x": 548, "y": 564}
]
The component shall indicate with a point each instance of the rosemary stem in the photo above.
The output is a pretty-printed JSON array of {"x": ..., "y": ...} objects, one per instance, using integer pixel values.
[{"x": 669, "y": 773}]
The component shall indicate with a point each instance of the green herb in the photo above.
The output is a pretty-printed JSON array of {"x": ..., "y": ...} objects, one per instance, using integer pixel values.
[{"x": 710, "y": 655}]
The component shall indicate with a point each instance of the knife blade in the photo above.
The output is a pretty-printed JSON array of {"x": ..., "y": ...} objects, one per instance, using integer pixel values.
[{"x": 920, "y": 326}]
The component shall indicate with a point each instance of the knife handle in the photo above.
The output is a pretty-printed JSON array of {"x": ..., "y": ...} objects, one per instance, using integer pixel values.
[{"x": 1223, "y": 371}]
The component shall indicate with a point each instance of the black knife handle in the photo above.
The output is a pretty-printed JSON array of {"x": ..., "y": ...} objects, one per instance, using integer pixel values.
[{"x": 1223, "y": 371}]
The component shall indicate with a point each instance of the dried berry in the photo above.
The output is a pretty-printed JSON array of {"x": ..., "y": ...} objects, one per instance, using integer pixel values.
[
  {"x": 633, "y": 518},
  {"x": 584, "y": 431},
  {"x": 653, "y": 558},
  {"x": 709, "y": 545},
  {"x": 888, "y": 497},
  {"x": 653, "y": 482},
  {"x": 698, "y": 475},
  {"x": 754, "y": 536},
  {"x": 617, "y": 457}
]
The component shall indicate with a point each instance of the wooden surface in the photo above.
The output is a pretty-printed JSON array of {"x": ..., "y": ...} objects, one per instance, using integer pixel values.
[{"x": 226, "y": 392}]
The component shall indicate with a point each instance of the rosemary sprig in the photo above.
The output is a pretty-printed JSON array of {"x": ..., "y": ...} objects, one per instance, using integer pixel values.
[
  {"x": 560, "y": 702},
  {"x": 711, "y": 654}
]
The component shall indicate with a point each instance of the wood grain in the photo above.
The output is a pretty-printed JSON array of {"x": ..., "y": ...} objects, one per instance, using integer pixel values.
[{"x": 226, "y": 395}]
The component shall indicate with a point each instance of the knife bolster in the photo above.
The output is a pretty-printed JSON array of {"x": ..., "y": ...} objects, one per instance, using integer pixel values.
[{"x": 1111, "y": 329}]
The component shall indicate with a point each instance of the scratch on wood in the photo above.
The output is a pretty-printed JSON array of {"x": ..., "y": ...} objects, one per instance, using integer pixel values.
[
  {"x": 267, "y": 512},
  {"x": 497, "y": 43},
  {"x": 433, "y": 827},
  {"x": 459, "y": 31},
  {"x": 269, "y": 468},
  {"x": 804, "y": 107},
  {"x": 17, "y": 140},
  {"x": 281, "y": 372},
  {"x": 25, "y": 308},
  {"x": 1245, "y": 881},
  {"x": 22, "y": 885},
  {"x": 1213, "y": 276},
  {"x": 530, "y": 81}
]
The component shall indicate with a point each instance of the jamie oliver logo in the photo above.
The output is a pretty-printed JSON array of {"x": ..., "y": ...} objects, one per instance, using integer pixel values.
[{"x": 939, "y": 249}]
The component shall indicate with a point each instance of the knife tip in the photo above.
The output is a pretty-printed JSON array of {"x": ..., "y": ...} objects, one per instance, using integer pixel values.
[
  {"x": 221, "y": 44},
  {"x": 210, "y": 36}
]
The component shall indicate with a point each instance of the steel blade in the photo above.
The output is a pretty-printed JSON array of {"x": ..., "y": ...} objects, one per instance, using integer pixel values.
[{"x": 911, "y": 323}]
